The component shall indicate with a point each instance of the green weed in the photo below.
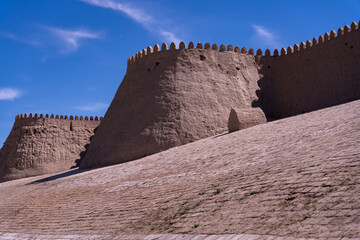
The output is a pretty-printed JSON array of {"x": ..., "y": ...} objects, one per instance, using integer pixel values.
[{"x": 219, "y": 190}]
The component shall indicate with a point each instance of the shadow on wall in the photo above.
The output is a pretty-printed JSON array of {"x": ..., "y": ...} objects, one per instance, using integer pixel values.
[
  {"x": 83, "y": 153},
  {"x": 265, "y": 101}
]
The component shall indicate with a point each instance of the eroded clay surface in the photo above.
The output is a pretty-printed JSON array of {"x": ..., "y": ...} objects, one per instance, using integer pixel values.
[{"x": 38, "y": 146}]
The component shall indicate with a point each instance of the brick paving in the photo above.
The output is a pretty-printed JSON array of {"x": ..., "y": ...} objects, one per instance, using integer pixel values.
[
  {"x": 19, "y": 236},
  {"x": 293, "y": 178}
]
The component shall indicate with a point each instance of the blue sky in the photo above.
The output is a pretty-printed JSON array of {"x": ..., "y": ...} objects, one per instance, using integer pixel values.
[{"x": 69, "y": 56}]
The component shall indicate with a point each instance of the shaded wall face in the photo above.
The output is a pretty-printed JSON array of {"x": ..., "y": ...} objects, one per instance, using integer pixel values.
[
  {"x": 171, "y": 98},
  {"x": 38, "y": 146},
  {"x": 323, "y": 75}
]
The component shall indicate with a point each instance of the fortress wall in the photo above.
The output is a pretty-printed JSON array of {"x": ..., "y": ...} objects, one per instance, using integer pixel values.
[
  {"x": 313, "y": 75},
  {"x": 170, "y": 97},
  {"x": 39, "y": 144}
]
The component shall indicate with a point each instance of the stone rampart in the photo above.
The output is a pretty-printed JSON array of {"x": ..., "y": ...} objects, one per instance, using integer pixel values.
[{"x": 40, "y": 144}]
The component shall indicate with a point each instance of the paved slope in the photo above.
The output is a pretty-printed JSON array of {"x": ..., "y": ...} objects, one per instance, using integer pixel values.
[
  {"x": 19, "y": 236},
  {"x": 293, "y": 177}
]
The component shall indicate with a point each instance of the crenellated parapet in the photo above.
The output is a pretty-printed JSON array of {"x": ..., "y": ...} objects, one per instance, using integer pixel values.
[
  {"x": 315, "y": 41},
  {"x": 312, "y": 74},
  {"x": 199, "y": 46},
  {"x": 223, "y": 48},
  {"x": 62, "y": 117}
]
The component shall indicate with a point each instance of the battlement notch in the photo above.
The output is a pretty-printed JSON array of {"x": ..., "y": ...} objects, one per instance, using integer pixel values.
[
  {"x": 214, "y": 47},
  {"x": 59, "y": 117}
]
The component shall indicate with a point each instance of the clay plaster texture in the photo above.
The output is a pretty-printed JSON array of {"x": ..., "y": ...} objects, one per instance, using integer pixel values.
[
  {"x": 171, "y": 98},
  {"x": 323, "y": 75},
  {"x": 38, "y": 146},
  {"x": 245, "y": 118}
]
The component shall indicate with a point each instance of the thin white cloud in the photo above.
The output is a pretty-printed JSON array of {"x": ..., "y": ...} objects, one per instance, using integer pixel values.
[
  {"x": 19, "y": 39},
  {"x": 65, "y": 40},
  {"x": 9, "y": 93},
  {"x": 266, "y": 37},
  {"x": 262, "y": 32},
  {"x": 93, "y": 107},
  {"x": 72, "y": 38},
  {"x": 170, "y": 37},
  {"x": 134, "y": 13},
  {"x": 138, "y": 15},
  {"x": 10, "y": 36}
]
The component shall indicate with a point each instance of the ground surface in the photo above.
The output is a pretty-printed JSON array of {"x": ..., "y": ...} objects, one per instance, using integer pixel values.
[
  {"x": 19, "y": 236},
  {"x": 297, "y": 177}
]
